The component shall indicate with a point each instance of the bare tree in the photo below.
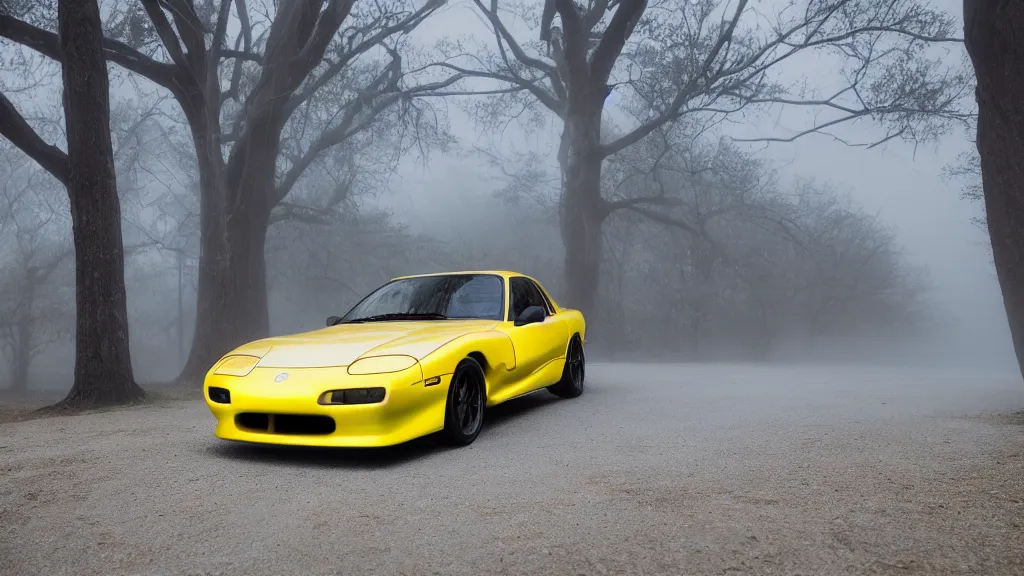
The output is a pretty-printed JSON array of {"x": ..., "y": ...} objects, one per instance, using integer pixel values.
[
  {"x": 103, "y": 370},
  {"x": 35, "y": 309},
  {"x": 992, "y": 31},
  {"x": 237, "y": 96},
  {"x": 702, "y": 61},
  {"x": 159, "y": 190},
  {"x": 733, "y": 261}
]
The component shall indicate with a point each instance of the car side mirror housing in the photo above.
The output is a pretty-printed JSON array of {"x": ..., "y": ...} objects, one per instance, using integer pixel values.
[
  {"x": 332, "y": 320},
  {"x": 531, "y": 315}
]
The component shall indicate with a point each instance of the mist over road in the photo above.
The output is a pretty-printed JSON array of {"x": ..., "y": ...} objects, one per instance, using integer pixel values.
[{"x": 656, "y": 469}]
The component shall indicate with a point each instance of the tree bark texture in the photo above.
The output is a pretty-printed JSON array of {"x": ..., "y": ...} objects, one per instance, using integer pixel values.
[
  {"x": 232, "y": 306},
  {"x": 583, "y": 208},
  {"x": 235, "y": 205},
  {"x": 103, "y": 367},
  {"x": 581, "y": 155},
  {"x": 994, "y": 35},
  {"x": 23, "y": 343}
]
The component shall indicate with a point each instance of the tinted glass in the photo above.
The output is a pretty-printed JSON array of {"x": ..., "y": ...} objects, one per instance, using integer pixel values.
[
  {"x": 538, "y": 295},
  {"x": 523, "y": 295},
  {"x": 455, "y": 296}
]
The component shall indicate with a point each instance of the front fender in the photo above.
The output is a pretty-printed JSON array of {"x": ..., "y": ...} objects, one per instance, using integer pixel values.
[{"x": 495, "y": 347}]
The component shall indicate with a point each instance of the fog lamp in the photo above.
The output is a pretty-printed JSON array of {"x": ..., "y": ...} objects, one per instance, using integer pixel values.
[
  {"x": 353, "y": 396},
  {"x": 220, "y": 395}
]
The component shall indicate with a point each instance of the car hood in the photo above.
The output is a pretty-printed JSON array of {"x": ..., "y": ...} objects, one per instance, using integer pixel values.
[{"x": 343, "y": 344}]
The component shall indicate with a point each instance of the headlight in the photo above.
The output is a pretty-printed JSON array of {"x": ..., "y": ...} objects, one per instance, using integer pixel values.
[
  {"x": 237, "y": 365},
  {"x": 381, "y": 364}
]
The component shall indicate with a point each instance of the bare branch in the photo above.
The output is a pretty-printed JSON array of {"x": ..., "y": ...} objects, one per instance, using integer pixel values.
[
  {"x": 506, "y": 36},
  {"x": 614, "y": 38},
  {"x": 46, "y": 43},
  {"x": 241, "y": 55},
  {"x": 14, "y": 128},
  {"x": 545, "y": 98},
  {"x": 685, "y": 92},
  {"x": 222, "y": 26},
  {"x": 167, "y": 36},
  {"x": 405, "y": 24}
]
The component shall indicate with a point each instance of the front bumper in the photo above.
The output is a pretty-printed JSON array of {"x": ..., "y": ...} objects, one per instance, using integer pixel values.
[{"x": 409, "y": 409}]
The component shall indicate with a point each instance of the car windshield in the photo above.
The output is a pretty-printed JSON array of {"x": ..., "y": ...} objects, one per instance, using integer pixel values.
[{"x": 433, "y": 298}]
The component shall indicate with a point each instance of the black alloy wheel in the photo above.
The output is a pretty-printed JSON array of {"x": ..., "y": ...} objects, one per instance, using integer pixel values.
[
  {"x": 574, "y": 373},
  {"x": 464, "y": 411}
]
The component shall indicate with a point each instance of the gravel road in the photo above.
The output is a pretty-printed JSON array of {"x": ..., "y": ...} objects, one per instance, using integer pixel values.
[{"x": 676, "y": 470}]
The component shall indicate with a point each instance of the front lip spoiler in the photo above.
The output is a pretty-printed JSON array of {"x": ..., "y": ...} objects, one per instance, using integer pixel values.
[{"x": 305, "y": 447}]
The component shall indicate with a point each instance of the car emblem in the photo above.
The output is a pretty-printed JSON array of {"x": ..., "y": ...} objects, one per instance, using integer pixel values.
[{"x": 281, "y": 377}]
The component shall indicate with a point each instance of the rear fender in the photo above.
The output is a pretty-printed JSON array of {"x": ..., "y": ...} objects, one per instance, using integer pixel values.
[{"x": 575, "y": 322}]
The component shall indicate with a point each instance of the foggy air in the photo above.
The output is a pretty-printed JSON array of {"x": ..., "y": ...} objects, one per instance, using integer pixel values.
[{"x": 511, "y": 287}]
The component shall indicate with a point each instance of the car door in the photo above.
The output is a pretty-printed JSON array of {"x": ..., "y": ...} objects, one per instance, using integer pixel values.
[{"x": 535, "y": 344}]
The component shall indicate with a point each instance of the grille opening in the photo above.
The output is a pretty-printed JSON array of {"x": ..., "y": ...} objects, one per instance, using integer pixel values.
[
  {"x": 293, "y": 424},
  {"x": 253, "y": 421},
  {"x": 285, "y": 423}
]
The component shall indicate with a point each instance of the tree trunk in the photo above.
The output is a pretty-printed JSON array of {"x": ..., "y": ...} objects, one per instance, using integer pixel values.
[
  {"x": 103, "y": 367},
  {"x": 232, "y": 296},
  {"x": 764, "y": 335},
  {"x": 180, "y": 335},
  {"x": 210, "y": 316},
  {"x": 703, "y": 299},
  {"x": 237, "y": 196},
  {"x": 23, "y": 342},
  {"x": 231, "y": 304},
  {"x": 583, "y": 209},
  {"x": 993, "y": 32}
]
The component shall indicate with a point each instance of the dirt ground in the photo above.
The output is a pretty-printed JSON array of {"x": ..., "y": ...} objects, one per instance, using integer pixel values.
[{"x": 675, "y": 470}]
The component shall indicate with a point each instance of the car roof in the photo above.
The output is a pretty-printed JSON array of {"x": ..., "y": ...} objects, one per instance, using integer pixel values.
[{"x": 502, "y": 273}]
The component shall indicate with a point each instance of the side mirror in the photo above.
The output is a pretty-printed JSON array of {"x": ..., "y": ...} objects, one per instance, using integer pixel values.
[
  {"x": 530, "y": 315},
  {"x": 332, "y": 320}
]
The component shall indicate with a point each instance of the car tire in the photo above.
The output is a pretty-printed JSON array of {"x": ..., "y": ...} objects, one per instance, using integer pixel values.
[
  {"x": 464, "y": 409},
  {"x": 574, "y": 374}
]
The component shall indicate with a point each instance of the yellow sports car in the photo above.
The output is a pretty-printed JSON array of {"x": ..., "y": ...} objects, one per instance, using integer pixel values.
[{"x": 419, "y": 355}]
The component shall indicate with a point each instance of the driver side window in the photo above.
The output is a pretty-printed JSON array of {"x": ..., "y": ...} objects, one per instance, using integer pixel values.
[{"x": 523, "y": 294}]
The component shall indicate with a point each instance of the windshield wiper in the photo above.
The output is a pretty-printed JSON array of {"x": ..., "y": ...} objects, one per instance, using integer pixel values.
[{"x": 398, "y": 316}]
